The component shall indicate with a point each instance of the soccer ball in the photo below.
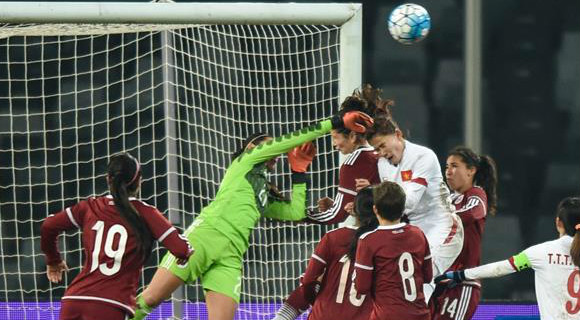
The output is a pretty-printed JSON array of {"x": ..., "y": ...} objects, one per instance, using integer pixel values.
[{"x": 409, "y": 23}]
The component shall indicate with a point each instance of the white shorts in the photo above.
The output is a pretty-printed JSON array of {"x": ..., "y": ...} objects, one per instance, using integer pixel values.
[{"x": 446, "y": 246}]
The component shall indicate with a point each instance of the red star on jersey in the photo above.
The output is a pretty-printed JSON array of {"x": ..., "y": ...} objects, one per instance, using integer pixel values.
[{"x": 406, "y": 175}]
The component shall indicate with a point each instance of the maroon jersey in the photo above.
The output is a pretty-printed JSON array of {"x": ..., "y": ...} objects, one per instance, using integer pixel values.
[
  {"x": 471, "y": 207},
  {"x": 392, "y": 263},
  {"x": 112, "y": 263},
  {"x": 457, "y": 303},
  {"x": 361, "y": 164},
  {"x": 336, "y": 298}
]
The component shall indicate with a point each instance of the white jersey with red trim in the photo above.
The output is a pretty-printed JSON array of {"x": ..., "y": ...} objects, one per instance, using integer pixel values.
[
  {"x": 428, "y": 204},
  {"x": 557, "y": 279}
]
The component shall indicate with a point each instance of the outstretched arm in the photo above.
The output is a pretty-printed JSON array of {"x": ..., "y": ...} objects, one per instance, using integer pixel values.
[
  {"x": 490, "y": 270},
  {"x": 283, "y": 144},
  {"x": 356, "y": 121},
  {"x": 515, "y": 263}
]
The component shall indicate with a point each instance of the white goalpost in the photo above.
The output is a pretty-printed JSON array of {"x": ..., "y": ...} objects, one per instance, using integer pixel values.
[{"x": 178, "y": 85}]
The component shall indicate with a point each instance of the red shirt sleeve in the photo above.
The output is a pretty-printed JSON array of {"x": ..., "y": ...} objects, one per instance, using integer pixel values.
[
  {"x": 345, "y": 194},
  {"x": 164, "y": 232},
  {"x": 318, "y": 261},
  {"x": 302, "y": 297},
  {"x": 363, "y": 274},
  {"x": 427, "y": 263},
  {"x": 474, "y": 207},
  {"x": 360, "y": 166},
  {"x": 53, "y": 225}
]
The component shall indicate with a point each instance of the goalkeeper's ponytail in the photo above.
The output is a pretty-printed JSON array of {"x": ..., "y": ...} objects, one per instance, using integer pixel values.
[
  {"x": 124, "y": 175},
  {"x": 254, "y": 139},
  {"x": 365, "y": 216},
  {"x": 569, "y": 213}
]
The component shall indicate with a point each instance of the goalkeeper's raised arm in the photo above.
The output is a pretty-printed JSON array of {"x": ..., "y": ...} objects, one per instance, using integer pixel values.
[{"x": 220, "y": 234}]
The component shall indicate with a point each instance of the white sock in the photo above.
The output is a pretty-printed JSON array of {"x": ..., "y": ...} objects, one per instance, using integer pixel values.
[
  {"x": 286, "y": 312},
  {"x": 428, "y": 289}
]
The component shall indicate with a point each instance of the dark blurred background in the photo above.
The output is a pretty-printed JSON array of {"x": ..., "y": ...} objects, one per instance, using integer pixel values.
[{"x": 530, "y": 103}]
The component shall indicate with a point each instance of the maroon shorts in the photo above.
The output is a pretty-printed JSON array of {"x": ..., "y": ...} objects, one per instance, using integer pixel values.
[
  {"x": 90, "y": 310},
  {"x": 457, "y": 303}
]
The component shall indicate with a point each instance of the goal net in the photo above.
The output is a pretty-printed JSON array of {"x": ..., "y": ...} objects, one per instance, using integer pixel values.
[{"x": 180, "y": 95}]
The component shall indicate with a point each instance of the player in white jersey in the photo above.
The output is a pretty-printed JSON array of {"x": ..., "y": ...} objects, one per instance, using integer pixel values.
[
  {"x": 555, "y": 263},
  {"x": 428, "y": 206}
]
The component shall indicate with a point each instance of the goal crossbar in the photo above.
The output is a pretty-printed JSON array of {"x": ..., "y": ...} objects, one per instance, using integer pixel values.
[
  {"x": 178, "y": 13},
  {"x": 346, "y": 15}
]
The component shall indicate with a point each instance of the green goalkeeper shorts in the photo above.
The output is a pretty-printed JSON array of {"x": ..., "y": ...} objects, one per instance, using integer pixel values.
[{"x": 215, "y": 261}]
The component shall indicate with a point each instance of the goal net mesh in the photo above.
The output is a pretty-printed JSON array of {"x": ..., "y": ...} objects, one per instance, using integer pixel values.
[{"x": 179, "y": 98}]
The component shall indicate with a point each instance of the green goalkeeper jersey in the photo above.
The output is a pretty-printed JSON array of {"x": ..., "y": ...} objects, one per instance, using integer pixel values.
[{"x": 244, "y": 194}]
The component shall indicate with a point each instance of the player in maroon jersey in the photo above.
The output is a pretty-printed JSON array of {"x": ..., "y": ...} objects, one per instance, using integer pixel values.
[
  {"x": 393, "y": 261},
  {"x": 330, "y": 269},
  {"x": 118, "y": 233},
  {"x": 473, "y": 179},
  {"x": 361, "y": 163}
]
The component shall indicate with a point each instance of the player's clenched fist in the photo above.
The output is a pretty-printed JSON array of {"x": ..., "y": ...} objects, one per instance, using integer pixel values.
[
  {"x": 301, "y": 157},
  {"x": 324, "y": 204}
]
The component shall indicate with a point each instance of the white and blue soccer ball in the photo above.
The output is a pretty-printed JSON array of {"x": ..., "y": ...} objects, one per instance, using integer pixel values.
[{"x": 409, "y": 23}]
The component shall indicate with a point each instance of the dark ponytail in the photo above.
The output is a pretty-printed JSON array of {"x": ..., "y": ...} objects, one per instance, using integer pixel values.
[
  {"x": 376, "y": 106},
  {"x": 124, "y": 175},
  {"x": 485, "y": 175},
  {"x": 569, "y": 213},
  {"x": 254, "y": 138},
  {"x": 365, "y": 216}
]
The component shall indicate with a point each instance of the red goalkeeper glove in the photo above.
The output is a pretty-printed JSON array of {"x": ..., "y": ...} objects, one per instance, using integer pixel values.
[
  {"x": 354, "y": 120},
  {"x": 301, "y": 157}
]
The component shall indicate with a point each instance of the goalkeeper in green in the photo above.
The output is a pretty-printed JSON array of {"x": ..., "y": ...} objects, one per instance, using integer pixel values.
[{"x": 220, "y": 234}]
